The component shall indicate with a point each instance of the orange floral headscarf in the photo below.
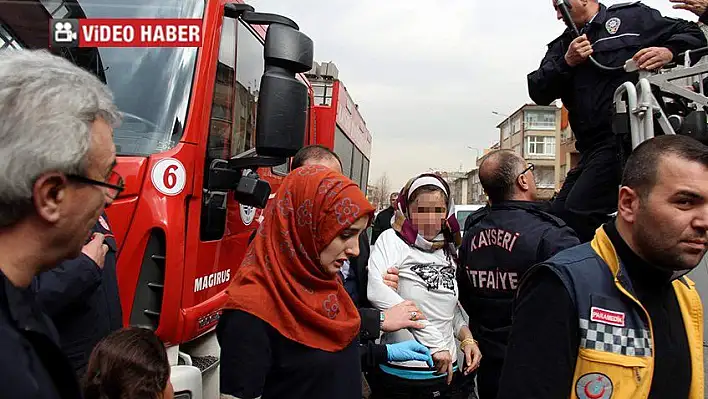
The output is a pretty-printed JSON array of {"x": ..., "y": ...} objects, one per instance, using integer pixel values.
[{"x": 281, "y": 280}]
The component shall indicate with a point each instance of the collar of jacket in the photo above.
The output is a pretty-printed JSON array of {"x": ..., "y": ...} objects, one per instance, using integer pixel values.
[
  {"x": 512, "y": 204},
  {"x": 22, "y": 309},
  {"x": 602, "y": 245}
]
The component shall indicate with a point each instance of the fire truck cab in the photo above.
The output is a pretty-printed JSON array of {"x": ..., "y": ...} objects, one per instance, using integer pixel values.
[{"x": 205, "y": 138}]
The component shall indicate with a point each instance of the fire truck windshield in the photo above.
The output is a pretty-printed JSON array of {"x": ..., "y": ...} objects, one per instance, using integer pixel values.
[{"x": 152, "y": 86}]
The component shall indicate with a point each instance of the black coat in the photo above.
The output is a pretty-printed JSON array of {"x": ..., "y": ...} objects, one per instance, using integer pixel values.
[
  {"x": 618, "y": 32},
  {"x": 501, "y": 243},
  {"x": 82, "y": 300},
  {"x": 381, "y": 223},
  {"x": 32, "y": 366}
]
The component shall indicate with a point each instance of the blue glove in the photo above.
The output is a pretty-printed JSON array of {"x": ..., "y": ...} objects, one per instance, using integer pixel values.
[{"x": 409, "y": 350}]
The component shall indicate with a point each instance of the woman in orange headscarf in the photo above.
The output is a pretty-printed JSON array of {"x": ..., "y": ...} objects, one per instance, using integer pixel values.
[{"x": 289, "y": 329}]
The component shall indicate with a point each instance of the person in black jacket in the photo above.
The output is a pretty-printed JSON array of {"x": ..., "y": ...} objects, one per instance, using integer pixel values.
[
  {"x": 81, "y": 296},
  {"x": 383, "y": 219},
  {"x": 501, "y": 242},
  {"x": 57, "y": 160},
  {"x": 579, "y": 317},
  {"x": 618, "y": 33}
]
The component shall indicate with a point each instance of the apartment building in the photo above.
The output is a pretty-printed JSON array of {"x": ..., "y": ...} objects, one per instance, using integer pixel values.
[
  {"x": 532, "y": 131},
  {"x": 567, "y": 157}
]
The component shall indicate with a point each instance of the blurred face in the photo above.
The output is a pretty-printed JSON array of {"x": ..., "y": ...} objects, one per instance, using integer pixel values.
[
  {"x": 343, "y": 247},
  {"x": 577, "y": 12},
  {"x": 669, "y": 227},
  {"x": 393, "y": 199},
  {"x": 73, "y": 206},
  {"x": 427, "y": 212}
]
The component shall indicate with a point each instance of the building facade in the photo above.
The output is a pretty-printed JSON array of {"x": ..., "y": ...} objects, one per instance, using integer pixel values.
[
  {"x": 532, "y": 131},
  {"x": 567, "y": 156}
]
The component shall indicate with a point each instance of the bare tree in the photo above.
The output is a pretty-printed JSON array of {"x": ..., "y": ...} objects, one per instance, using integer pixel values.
[{"x": 383, "y": 185}]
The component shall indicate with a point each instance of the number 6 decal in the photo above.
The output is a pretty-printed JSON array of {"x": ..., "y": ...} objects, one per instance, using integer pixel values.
[{"x": 168, "y": 176}]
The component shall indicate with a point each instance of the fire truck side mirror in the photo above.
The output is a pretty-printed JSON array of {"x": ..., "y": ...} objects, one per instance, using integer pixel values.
[{"x": 282, "y": 100}]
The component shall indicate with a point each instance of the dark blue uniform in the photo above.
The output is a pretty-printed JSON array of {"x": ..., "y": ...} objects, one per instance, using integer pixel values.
[
  {"x": 617, "y": 33},
  {"x": 82, "y": 300},
  {"x": 31, "y": 363},
  {"x": 500, "y": 244}
]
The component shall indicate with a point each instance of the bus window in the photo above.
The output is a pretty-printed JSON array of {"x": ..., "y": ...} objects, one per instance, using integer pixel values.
[{"x": 343, "y": 148}]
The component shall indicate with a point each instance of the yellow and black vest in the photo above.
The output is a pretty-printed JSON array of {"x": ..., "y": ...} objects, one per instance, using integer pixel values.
[{"x": 616, "y": 353}]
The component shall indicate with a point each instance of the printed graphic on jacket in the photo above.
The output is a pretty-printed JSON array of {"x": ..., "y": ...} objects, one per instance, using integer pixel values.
[
  {"x": 499, "y": 280},
  {"x": 436, "y": 276},
  {"x": 494, "y": 237}
]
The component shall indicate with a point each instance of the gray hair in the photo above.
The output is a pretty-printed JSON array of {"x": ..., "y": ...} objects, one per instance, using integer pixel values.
[{"x": 47, "y": 108}]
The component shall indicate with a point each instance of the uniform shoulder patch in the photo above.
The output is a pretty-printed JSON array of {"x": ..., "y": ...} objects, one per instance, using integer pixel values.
[{"x": 624, "y": 5}]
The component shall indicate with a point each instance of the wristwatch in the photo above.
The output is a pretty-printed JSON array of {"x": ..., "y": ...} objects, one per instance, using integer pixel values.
[{"x": 382, "y": 317}]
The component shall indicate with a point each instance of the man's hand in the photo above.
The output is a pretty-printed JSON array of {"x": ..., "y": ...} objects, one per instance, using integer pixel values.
[
  {"x": 697, "y": 7},
  {"x": 578, "y": 51},
  {"x": 391, "y": 278},
  {"x": 403, "y": 315},
  {"x": 652, "y": 58},
  {"x": 96, "y": 249},
  {"x": 443, "y": 364}
]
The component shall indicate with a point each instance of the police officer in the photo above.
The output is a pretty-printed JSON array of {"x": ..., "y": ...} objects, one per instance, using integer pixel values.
[
  {"x": 502, "y": 242},
  {"x": 612, "y": 35},
  {"x": 81, "y": 296},
  {"x": 617, "y": 318}
]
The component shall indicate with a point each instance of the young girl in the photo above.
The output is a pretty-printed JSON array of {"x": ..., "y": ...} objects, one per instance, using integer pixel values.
[
  {"x": 421, "y": 244},
  {"x": 128, "y": 364}
]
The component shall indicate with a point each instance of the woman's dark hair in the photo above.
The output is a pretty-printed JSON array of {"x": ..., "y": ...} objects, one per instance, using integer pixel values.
[{"x": 128, "y": 364}]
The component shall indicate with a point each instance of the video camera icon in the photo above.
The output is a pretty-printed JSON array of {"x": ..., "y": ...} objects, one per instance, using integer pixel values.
[{"x": 64, "y": 33}]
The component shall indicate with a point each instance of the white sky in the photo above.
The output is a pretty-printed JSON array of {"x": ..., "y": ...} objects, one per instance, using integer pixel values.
[{"x": 427, "y": 74}]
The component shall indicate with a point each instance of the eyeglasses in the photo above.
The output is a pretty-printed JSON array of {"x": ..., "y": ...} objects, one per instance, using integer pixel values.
[
  {"x": 528, "y": 168},
  {"x": 114, "y": 184}
]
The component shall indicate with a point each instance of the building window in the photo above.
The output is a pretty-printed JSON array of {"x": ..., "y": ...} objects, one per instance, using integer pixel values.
[
  {"x": 544, "y": 176},
  {"x": 567, "y": 134},
  {"x": 517, "y": 124},
  {"x": 540, "y": 120},
  {"x": 506, "y": 131},
  {"x": 541, "y": 146},
  {"x": 323, "y": 93}
]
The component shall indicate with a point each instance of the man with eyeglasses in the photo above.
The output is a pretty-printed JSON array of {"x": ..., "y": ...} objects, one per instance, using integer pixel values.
[
  {"x": 80, "y": 295},
  {"x": 501, "y": 242},
  {"x": 57, "y": 158}
]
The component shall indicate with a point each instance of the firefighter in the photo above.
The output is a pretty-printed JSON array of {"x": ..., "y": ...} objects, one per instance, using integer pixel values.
[
  {"x": 499, "y": 245},
  {"x": 617, "y": 317},
  {"x": 56, "y": 157},
  {"x": 612, "y": 35}
]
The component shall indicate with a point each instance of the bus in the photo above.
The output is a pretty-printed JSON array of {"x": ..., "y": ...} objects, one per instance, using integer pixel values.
[{"x": 338, "y": 123}]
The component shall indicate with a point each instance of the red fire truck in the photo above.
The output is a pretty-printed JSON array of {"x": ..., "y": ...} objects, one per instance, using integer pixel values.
[
  {"x": 205, "y": 138},
  {"x": 339, "y": 124}
]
